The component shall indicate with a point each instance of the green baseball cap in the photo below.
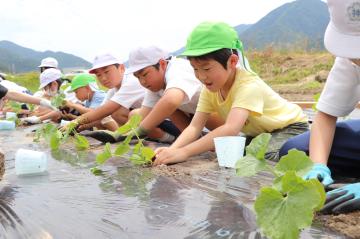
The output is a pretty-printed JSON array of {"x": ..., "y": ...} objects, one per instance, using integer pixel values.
[
  {"x": 81, "y": 80},
  {"x": 211, "y": 36}
]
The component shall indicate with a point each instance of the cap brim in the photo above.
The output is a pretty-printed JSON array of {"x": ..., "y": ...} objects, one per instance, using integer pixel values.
[
  {"x": 198, "y": 52},
  {"x": 341, "y": 45},
  {"x": 42, "y": 86},
  {"x": 134, "y": 69},
  {"x": 94, "y": 68}
]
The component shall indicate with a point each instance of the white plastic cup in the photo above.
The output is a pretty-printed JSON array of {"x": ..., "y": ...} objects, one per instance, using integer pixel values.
[
  {"x": 7, "y": 125},
  {"x": 11, "y": 115},
  {"x": 29, "y": 162},
  {"x": 229, "y": 150}
]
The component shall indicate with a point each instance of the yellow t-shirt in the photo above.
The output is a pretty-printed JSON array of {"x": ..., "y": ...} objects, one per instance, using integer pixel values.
[{"x": 268, "y": 110}]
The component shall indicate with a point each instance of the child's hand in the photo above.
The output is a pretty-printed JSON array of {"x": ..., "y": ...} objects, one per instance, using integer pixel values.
[{"x": 168, "y": 155}]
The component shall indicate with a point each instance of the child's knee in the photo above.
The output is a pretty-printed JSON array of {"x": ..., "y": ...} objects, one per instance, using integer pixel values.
[{"x": 300, "y": 142}]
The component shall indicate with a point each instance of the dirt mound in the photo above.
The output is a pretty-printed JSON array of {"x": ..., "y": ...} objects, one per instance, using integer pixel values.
[{"x": 347, "y": 224}]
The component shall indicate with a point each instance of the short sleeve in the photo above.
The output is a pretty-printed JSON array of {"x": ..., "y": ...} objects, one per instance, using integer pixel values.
[
  {"x": 130, "y": 94},
  {"x": 342, "y": 90},
  {"x": 150, "y": 99}
]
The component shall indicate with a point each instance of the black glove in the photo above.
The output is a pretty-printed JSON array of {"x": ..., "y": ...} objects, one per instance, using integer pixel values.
[{"x": 342, "y": 200}]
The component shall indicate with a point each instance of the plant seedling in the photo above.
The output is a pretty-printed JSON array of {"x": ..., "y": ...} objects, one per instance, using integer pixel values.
[
  {"x": 58, "y": 100},
  {"x": 141, "y": 155},
  {"x": 55, "y": 137},
  {"x": 289, "y": 204}
]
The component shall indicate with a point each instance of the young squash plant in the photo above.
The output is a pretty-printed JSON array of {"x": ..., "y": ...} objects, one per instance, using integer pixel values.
[
  {"x": 289, "y": 204},
  {"x": 58, "y": 100},
  {"x": 141, "y": 155},
  {"x": 55, "y": 137}
]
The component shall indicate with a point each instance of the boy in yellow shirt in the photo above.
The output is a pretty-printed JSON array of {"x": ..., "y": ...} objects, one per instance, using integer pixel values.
[{"x": 237, "y": 94}]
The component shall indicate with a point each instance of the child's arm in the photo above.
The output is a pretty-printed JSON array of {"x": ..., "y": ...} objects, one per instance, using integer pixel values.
[
  {"x": 233, "y": 125},
  {"x": 321, "y": 137},
  {"x": 25, "y": 98},
  {"x": 80, "y": 108},
  {"x": 165, "y": 107},
  {"x": 97, "y": 114},
  {"x": 192, "y": 132}
]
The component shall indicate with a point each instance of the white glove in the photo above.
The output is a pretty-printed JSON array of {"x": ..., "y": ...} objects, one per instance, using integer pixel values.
[
  {"x": 31, "y": 120},
  {"x": 46, "y": 103}
]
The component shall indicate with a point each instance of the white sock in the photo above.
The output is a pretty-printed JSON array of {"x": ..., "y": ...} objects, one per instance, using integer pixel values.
[{"x": 167, "y": 138}]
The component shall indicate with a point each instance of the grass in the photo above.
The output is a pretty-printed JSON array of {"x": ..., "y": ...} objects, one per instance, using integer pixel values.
[
  {"x": 28, "y": 80},
  {"x": 284, "y": 67}
]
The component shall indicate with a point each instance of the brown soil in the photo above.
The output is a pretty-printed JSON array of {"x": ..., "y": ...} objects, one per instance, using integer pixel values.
[
  {"x": 347, "y": 224},
  {"x": 196, "y": 165}
]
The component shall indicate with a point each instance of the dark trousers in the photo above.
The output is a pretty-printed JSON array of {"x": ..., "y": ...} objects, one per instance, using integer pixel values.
[{"x": 344, "y": 157}]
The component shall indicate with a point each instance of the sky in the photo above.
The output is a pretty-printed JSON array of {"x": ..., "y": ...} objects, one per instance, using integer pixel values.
[{"x": 86, "y": 28}]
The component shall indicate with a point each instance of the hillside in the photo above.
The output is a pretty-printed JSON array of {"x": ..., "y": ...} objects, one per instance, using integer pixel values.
[
  {"x": 301, "y": 23},
  {"x": 15, "y": 58},
  {"x": 298, "y": 25}
]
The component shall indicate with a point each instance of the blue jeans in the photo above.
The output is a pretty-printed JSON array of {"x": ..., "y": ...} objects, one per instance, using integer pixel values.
[{"x": 344, "y": 156}]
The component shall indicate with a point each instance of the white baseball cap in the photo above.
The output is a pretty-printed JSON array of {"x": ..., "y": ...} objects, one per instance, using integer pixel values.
[
  {"x": 49, "y": 62},
  {"x": 342, "y": 36},
  {"x": 145, "y": 56},
  {"x": 48, "y": 76},
  {"x": 103, "y": 60}
]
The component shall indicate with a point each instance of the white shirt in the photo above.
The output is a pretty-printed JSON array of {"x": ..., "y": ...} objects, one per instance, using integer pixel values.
[
  {"x": 341, "y": 93},
  {"x": 130, "y": 94},
  {"x": 179, "y": 74}
]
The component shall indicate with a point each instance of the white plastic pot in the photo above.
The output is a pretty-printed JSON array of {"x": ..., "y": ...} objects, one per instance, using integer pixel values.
[
  {"x": 229, "y": 150},
  {"x": 7, "y": 125},
  {"x": 28, "y": 162}
]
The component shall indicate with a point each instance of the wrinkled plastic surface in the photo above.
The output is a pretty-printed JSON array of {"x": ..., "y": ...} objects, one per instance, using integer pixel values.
[{"x": 125, "y": 201}]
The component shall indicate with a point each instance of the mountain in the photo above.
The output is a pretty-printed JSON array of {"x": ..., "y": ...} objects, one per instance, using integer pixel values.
[
  {"x": 301, "y": 23},
  {"x": 15, "y": 58},
  {"x": 242, "y": 27},
  {"x": 298, "y": 24}
]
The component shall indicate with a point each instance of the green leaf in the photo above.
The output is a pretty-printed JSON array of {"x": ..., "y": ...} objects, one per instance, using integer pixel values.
[
  {"x": 101, "y": 158},
  {"x": 16, "y": 107},
  {"x": 282, "y": 214},
  {"x": 258, "y": 146},
  {"x": 122, "y": 149},
  {"x": 31, "y": 107},
  {"x": 137, "y": 147},
  {"x": 48, "y": 131},
  {"x": 81, "y": 143},
  {"x": 96, "y": 171},
  {"x": 321, "y": 191},
  {"x": 128, "y": 138},
  {"x": 58, "y": 100},
  {"x": 148, "y": 153},
  {"x": 124, "y": 129},
  {"x": 64, "y": 86},
  {"x": 296, "y": 161},
  {"x": 249, "y": 166},
  {"x": 55, "y": 140},
  {"x": 134, "y": 121},
  {"x": 137, "y": 159},
  {"x": 69, "y": 128}
]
